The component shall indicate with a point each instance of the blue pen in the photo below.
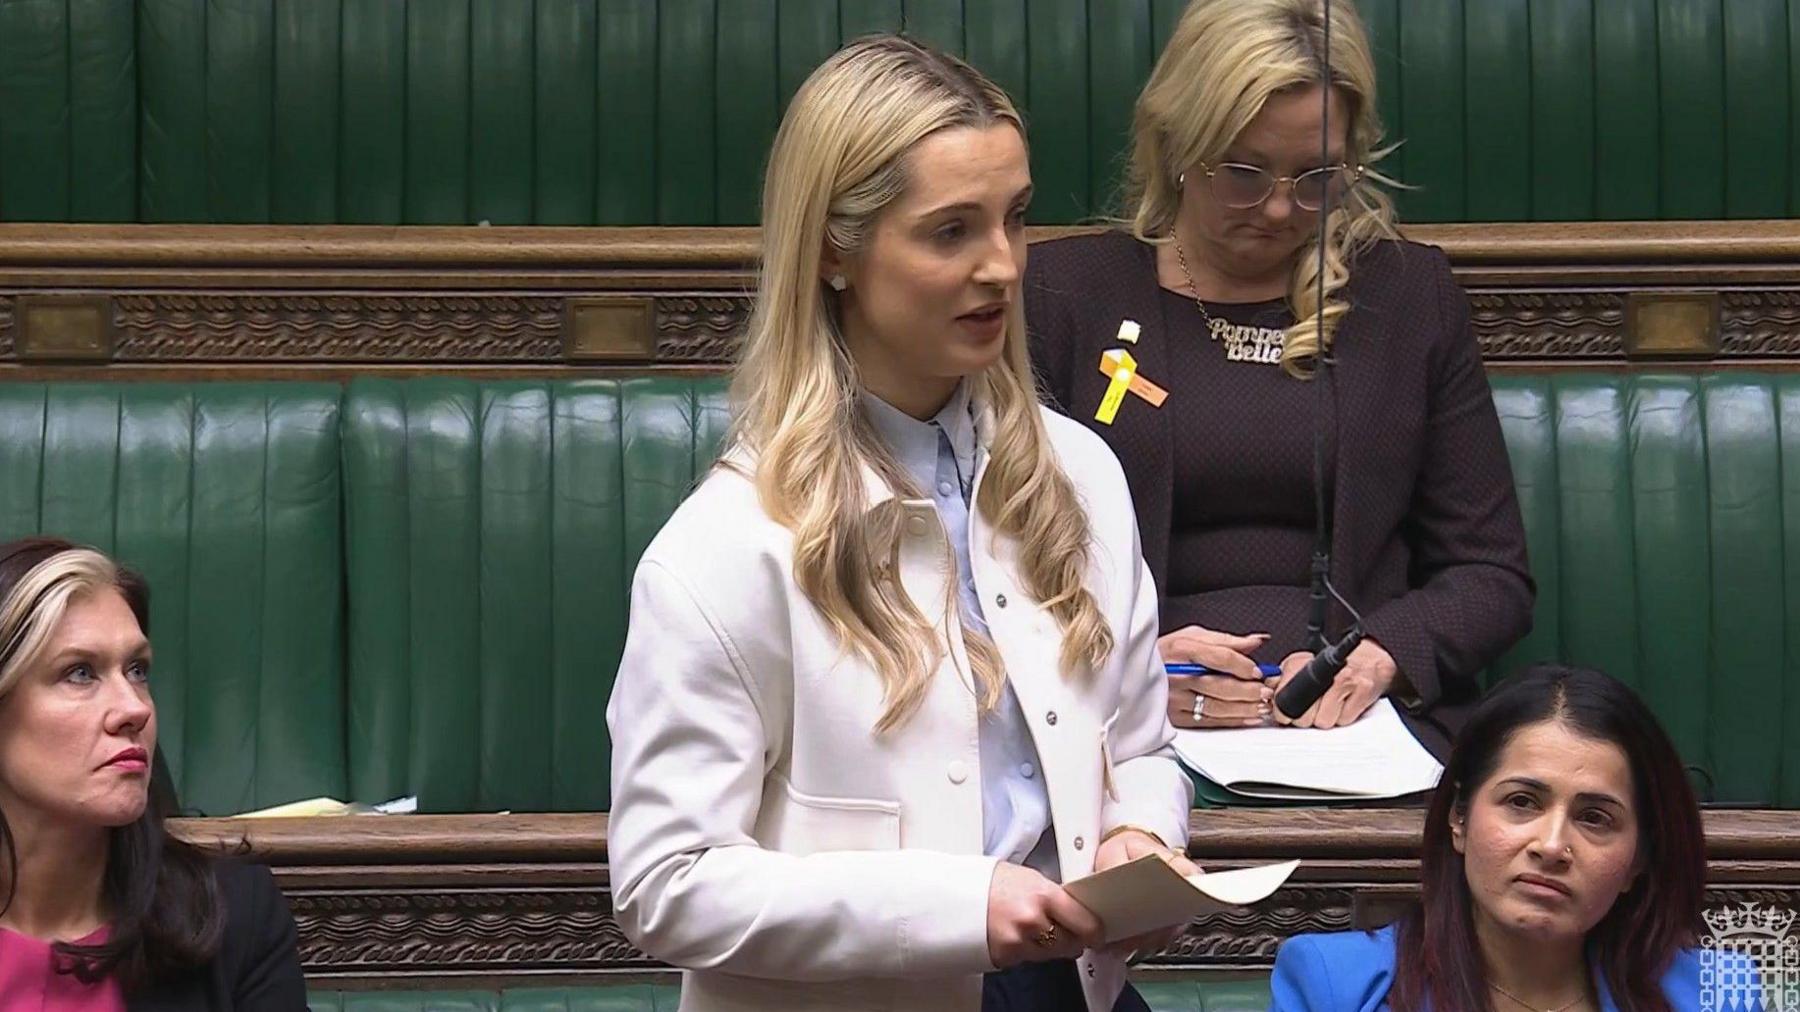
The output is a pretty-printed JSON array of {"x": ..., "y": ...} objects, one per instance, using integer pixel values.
[{"x": 1266, "y": 670}]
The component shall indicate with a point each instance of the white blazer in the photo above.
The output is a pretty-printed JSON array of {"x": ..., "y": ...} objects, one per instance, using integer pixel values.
[{"x": 763, "y": 837}]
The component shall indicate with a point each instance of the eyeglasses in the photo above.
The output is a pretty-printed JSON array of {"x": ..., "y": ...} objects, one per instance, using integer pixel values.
[{"x": 1242, "y": 187}]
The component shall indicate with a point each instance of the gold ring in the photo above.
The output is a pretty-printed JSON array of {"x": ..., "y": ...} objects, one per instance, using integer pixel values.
[{"x": 1046, "y": 938}]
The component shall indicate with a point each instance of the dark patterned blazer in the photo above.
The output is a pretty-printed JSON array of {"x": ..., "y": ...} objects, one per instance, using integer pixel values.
[{"x": 1426, "y": 539}]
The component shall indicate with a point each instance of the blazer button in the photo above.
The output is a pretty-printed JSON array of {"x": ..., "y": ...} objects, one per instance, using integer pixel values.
[
  {"x": 1079, "y": 842},
  {"x": 959, "y": 771},
  {"x": 1000, "y": 599},
  {"x": 1050, "y": 718},
  {"x": 916, "y": 527}
]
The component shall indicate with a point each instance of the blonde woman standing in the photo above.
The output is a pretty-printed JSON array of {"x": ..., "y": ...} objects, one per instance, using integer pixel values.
[
  {"x": 1240, "y": 144},
  {"x": 891, "y": 673}
]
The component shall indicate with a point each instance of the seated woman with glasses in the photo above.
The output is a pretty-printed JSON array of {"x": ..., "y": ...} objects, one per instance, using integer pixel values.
[
  {"x": 1563, "y": 869},
  {"x": 1229, "y": 183}
]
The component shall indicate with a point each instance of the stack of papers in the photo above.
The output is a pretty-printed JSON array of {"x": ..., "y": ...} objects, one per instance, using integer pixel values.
[{"x": 1376, "y": 757}]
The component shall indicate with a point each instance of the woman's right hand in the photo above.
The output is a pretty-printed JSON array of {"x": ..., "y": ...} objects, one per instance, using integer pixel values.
[
  {"x": 1235, "y": 698},
  {"x": 1030, "y": 919}
]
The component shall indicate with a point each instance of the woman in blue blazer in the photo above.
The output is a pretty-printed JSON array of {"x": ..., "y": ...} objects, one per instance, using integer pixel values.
[{"x": 1561, "y": 793}]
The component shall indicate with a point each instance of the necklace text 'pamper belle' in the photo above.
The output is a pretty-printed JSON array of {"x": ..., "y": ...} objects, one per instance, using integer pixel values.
[{"x": 1243, "y": 342}]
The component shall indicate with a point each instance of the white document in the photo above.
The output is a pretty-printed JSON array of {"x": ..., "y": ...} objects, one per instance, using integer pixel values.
[
  {"x": 1147, "y": 894},
  {"x": 1376, "y": 757}
]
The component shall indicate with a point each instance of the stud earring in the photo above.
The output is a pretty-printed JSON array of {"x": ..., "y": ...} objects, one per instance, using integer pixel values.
[
  {"x": 1181, "y": 181},
  {"x": 838, "y": 283}
]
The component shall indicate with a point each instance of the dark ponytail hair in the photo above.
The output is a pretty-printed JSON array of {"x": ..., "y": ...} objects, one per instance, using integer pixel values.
[
  {"x": 161, "y": 893},
  {"x": 1439, "y": 962}
]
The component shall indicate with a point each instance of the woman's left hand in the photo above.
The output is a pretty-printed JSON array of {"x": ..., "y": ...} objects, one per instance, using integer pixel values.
[
  {"x": 1367, "y": 676},
  {"x": 1129, "y": 846}
]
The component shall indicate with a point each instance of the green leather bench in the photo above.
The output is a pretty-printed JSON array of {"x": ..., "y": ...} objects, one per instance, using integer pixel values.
[
  {"x": 418, "y": 587},
  {"x": 1162, "y": 996},
  {"x": 227, "y": 496},
  {"x": 492, "y": 532},
  {"x": 398, "y": 587},
  {"x": 1657, "y": 509}
]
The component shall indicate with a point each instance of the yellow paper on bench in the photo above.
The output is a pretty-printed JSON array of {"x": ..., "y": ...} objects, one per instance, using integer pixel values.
[
  {"x": 1124, "y": 366},
  {"x": 1148, "y": 894},
  {"x": 297, "y": 809}
]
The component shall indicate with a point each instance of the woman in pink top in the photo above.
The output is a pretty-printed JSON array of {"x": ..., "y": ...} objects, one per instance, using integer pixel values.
[{"x": 100, "y": 910}]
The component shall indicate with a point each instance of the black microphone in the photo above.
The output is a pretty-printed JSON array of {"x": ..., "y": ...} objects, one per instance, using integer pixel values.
[
  {"x": 1305, "y": 688},
  {"x": 1321, "y": 572}
]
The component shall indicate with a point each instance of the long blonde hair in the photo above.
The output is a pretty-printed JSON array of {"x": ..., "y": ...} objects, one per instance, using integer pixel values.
[
  {"x": 839, "y": 159},
  {"x": 1223, "y": 61}
]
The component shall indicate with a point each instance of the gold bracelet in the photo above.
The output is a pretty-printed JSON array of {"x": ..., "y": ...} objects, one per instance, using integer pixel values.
[{"x": 1129, "y": 828}]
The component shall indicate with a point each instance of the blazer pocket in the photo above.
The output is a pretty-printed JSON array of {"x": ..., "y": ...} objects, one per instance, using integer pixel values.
[{"x": 795, "y": 822}]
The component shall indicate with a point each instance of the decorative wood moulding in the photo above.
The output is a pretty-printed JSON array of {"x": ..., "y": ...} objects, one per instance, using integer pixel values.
[
  {"x": 347, "y": 297},
  {"x": 477, "y": 900}
]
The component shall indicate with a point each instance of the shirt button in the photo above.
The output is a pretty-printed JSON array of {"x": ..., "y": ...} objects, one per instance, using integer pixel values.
[
  {"x": 1079, "y": 843},
  {"x": 1050, "y": 718},
  {"x": 946, "y": 488},
  {"x": 916, "y": 526},
  {"x": 959, "y": 771},
  {"x": 1000, "y": 599},
  {"x": 1026, "y": 770}
]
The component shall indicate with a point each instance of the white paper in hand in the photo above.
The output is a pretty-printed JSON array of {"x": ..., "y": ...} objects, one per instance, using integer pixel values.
[{"x": 1148, "y": 893}]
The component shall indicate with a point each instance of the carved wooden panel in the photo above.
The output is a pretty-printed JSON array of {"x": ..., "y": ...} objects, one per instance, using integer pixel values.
[
  {"x": 477, "y": 327},
  {"x": 1760, "y": 324},
  {"x": 1548, "y": 324},
  {"x": 699, "y": 328},
  {"x": 249, "y": 326},
  {"x": 327, "y": 297},
  {"x": 480, "y": 900},
  {"x": 367, "y": 934}
]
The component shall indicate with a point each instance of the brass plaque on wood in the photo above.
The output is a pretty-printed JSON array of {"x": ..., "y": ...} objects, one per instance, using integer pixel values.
[
  {"x": 1671, "y": 323},
  {"x": 64, "y": 327},
  {"x": 609, "y": 327}
]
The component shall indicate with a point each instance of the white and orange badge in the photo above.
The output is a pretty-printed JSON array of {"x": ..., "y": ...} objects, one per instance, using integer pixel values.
[{"x": 1121, "y": 369}]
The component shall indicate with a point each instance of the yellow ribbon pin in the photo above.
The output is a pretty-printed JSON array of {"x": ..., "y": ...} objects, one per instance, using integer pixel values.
[{"x": 1122, "y": 368}]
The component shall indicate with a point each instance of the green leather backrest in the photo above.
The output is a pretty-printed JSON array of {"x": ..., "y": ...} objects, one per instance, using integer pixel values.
[
  {"x": 491, "y": 530},
  {"x": 492, "y": 533},
  {"x": 227, "y": 497},
  {"x": 1657, "y": 509},
  {"x": 1163, "y": 996},
  {"x": 640, "y": 112}
]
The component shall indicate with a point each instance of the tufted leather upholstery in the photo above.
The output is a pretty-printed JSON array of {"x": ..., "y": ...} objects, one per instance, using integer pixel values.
[
  {"x": 227, "y": 497},
  {"x": 493, "y": 529}
]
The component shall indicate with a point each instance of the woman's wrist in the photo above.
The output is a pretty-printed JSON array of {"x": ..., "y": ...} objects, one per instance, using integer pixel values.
[{"x": 1127, "y": 827}]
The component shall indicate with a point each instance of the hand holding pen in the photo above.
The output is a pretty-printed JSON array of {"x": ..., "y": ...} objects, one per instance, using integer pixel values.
[{"x": 1212, "y": 680}]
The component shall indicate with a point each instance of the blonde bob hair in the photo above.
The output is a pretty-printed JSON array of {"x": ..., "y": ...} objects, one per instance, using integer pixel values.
[
  {"x": 839, "y": 159},
  {"x": 1223, "y": 61},
  {"x": 34, "y": 606}
]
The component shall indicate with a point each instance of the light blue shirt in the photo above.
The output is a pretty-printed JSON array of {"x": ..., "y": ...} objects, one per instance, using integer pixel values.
[{"x": 941, "y": 456}]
